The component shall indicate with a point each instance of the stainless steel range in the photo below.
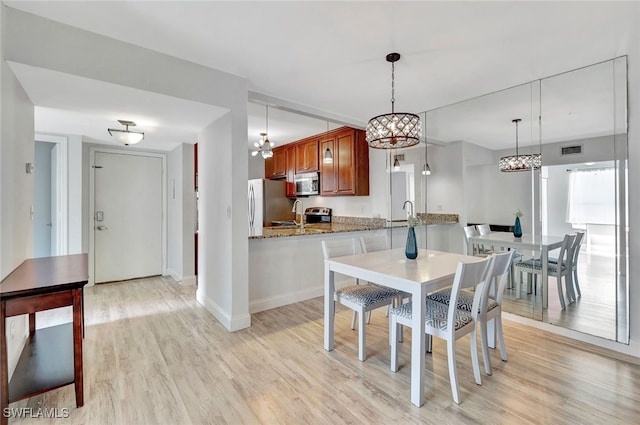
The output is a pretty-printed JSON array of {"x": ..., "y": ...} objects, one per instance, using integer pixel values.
[{"x": 317, "y": 215}]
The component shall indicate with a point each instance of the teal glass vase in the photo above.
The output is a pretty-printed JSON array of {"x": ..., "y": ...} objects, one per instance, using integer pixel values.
[
  {"x": 411, "y": 249},
  {"x": 517, "y": 228}
]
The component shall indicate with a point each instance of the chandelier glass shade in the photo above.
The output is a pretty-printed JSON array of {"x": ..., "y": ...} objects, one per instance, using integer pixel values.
[
  {"x": 396, "y": 129},
  {"x": 516, "y": 163},
  {"x": 126, "y": 136}
]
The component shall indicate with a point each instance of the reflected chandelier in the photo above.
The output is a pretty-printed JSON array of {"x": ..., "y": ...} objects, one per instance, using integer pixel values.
[
  {"x": 396, "y": 129},
  {"x": 517, "y": 162}
]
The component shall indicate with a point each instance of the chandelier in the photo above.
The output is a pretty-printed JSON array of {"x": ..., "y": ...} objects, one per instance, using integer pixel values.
[
  {"x": 396, "y": 129},
  {"x": 517, "y": 162},
  {"x": 264, "y": 145}
]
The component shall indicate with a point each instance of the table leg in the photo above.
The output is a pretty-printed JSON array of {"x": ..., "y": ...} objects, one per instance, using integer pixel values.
[
  {"x": 32, "y": 323},
  {"x": 329, "y": 307},
  {"x": 544, "y": 262},
  {"x": 77, "y": 347},
  {"x": 4, "y": 366},
  {"x": 417, "y": 346}
]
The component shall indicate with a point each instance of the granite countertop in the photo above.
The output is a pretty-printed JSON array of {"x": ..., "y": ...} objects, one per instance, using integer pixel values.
[{"x": 349, "y": 224}]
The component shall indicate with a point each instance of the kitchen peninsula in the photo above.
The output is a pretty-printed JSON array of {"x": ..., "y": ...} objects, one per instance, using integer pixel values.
[{"x": 286, "y": 263}]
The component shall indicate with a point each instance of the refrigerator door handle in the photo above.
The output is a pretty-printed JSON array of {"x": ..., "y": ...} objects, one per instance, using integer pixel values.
[{"x": 252, "y": 206}]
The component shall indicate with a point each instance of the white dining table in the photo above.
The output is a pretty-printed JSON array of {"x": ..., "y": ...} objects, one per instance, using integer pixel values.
[
  {"x": 430, "y": 271},
  {"x": 542, "y": 243}
]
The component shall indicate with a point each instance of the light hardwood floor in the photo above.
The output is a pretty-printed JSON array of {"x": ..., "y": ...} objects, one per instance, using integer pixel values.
[{"x": 153, "y": 355}]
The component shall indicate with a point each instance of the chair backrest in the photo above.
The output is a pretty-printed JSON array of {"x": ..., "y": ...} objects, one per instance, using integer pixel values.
[
  {"x": 374, "y": 243},
  {"x": 564, "y": 261},
  {"x": 469, "y": 275},
  {"x": 575, "y": 249},
  {"x": 484, "y": 229},
  {"x": 470, "y": 231},
  {"x": 339, "y": 247},
  {"x": 499, "y": 276}
]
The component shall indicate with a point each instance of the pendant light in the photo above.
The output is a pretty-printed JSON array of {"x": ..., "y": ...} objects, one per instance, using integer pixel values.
[
  {"x": 264, "y": 145},
  {"x": 517, "y": 162},
  {"x": 426, "y": 170},
  {"x": 396, "y": 129},
  {"x": 396, "y": 164},
  {"x": 126, "y": 136},
  {"x": 328, "y": 156}
]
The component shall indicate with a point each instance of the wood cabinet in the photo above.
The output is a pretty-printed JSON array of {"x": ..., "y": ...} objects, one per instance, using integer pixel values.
[
  {"x": 291, "y": 169},
  {"x": 276, "y": 166},
  {"x": 347, "y": 175},
  {"x": 349, "y": 172},
  {"x": 307, "y": 156}
]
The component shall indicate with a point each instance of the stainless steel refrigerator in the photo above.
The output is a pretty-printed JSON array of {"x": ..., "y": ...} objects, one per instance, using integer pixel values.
[{"x": 268, "y": 202}]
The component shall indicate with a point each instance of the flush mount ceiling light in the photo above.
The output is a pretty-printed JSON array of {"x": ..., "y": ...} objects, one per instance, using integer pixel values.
[
  {"x": 517, "y": 162},
  {"x": 264, "y": 145},
  {"x": 396, "y": 129},
  {"x": 126, "y": 136}
]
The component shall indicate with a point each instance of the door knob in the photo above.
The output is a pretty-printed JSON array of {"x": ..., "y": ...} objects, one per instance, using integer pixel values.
[{"x": 101, "y": 227}]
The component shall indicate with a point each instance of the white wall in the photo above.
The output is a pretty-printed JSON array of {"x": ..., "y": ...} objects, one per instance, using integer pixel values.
[
  {"x": 75, "y": 182},
  {"x": 180, "y": 213},
  {"x": 175, "y": 242},
  {"x": 42, "y": 199},
  {"x": 16, "y": 187}
]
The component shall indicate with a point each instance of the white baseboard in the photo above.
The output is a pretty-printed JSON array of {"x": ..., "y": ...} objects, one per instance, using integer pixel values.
[
  {"x": 175, "y": 275},
  {"x": 189, "y": 280},
  {"x": 285, "y": 299},
  {"x": 231, "y": 323}
]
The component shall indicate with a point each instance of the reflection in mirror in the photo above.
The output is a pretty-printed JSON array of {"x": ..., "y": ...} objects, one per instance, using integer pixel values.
[{"x": 577, "y": 121}]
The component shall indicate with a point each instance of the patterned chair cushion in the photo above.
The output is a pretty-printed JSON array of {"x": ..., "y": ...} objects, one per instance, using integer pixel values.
[
  {"x": 465, "y": 299},
  {"x": 366, "y": 295},
  {"x": 436, "y": 315},
  {"x": 536, "y": 265}
]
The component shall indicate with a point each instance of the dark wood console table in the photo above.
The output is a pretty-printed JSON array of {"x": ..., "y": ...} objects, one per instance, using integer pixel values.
[{"x": 52, "y": 357}]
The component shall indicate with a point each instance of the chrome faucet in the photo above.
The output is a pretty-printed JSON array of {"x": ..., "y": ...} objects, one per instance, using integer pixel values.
[
  {"x": 410, "y": 209},
  {"x": 295, "y": 210}
]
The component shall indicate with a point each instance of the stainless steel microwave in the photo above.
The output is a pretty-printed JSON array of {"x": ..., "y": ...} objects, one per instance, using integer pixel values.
[{"x": 307, "y": 184}]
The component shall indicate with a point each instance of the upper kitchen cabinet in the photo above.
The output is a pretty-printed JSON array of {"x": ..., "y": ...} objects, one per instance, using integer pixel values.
[
  {"x": 307, "y": 156},
  {"x": 276, "y": 166},
  {"x": 348, "y": 174},
  {"x": 291, "y": 170}
]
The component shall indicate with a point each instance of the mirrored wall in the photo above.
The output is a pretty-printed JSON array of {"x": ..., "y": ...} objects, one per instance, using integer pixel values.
[{"x": 577, "y": 122}]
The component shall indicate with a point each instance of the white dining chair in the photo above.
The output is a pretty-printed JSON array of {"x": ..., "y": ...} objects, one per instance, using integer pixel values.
[
  {"x": 449, "y": 322},
  {"x": 470, "y": 231},
  {"x": 361, "y": 298},
  {"x": 533, "y": 267},
  {"x": 380, "y": 242},
  {"x": 490, "y": 314}
]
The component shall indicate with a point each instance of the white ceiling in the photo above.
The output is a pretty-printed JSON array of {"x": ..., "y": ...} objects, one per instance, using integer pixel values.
[{"x": 330, "y": 56}]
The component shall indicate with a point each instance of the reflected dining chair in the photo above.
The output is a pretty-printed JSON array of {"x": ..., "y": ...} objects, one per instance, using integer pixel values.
[
  {"x": 477, "y": 250},
  {"x": 359, "y": 298},
  {"x": 562, "y": 268},
  {"x": 573, "y": 255},
  {"x": 490, "y": 313},
  {"x": 449, "y": 322}
]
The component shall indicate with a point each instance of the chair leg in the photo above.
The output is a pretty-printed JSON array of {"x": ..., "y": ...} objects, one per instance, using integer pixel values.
[
  {"x": 368, "y": 316},
  {"x": 485, "y": 346},
  {"x": 474, "y": 356},
  {"x": 361, "y": 337},
  {"x": 559, "y": 280},
  {"x": 568, "y": 283},
  {"x": 353, "y": 319},
  {"x": 503, "y": 348},
  {"x": 453, "y": 377},
  {"x": 428, "y": 346},
  {"x": 575, "y": 282},
  {"x": 393, "y": 326}
]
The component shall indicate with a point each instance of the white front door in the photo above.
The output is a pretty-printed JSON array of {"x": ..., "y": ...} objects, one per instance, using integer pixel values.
[{"x": 128, "y": 216}]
